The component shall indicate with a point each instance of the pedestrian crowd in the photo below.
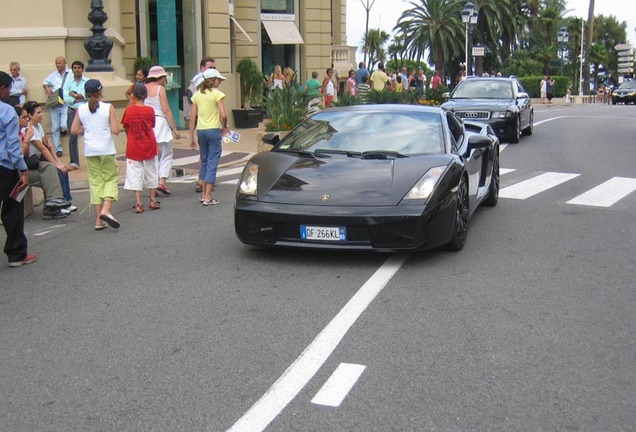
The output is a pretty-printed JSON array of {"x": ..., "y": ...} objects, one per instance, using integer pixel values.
[{"x": 76, "y": 107}]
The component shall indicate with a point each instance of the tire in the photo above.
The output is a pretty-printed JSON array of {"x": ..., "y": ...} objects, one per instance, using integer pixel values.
[
  {"x": 528, "y": 131},
  {"x": 516, "y": 136},
  {"x": 493, "y": 189},
  {"x": 460, "y": 229}
]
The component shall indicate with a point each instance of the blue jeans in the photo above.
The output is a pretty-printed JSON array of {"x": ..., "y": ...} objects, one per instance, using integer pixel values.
[
  {"x": 73, "y": 152},
  {"x": 58, "y": 123},
  {"x": 66, "y": 185},
  {"x": 210, "y": 149}
]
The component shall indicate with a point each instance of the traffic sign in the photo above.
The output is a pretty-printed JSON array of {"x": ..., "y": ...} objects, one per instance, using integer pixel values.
[
  {"x": 626, "y": 65},
  {"x": 479, "y": 51},
  {"x": 623, "y": 47},
  {"x": 626, "y": 71}
]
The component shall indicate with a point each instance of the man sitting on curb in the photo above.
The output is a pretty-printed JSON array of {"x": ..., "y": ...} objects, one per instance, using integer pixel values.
[{"x": 44, "y": 176}]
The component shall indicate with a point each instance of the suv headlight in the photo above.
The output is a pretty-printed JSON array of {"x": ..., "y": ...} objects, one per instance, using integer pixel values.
[
  {"x": 249, "y": 180},
  {"x": 501, "y": 114},
  {"x": 425, "y": 186}
]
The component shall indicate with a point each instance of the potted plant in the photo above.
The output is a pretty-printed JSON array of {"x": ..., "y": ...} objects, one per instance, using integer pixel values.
[
  {"x": 286, "y": 108},
  {"x": 252, "y": 83}
]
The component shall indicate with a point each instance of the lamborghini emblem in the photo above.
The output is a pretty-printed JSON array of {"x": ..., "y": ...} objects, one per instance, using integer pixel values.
[{"x": 325, "y": 198}]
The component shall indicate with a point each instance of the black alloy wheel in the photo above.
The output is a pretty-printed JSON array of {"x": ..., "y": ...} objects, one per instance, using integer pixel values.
[
  {"x": 460, "y": 231},
  {"x": 516, "y": 132},
  {"x": 493, "y": 189}
]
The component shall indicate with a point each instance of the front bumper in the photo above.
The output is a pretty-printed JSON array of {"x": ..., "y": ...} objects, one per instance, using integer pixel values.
[{"x": 384, "y": 229}]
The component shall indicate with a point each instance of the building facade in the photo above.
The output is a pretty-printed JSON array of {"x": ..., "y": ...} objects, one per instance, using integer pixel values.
[{"x": 305, "y": 35}]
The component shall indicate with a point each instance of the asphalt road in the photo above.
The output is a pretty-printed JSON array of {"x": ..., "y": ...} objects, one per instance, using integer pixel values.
[{"x": 171, "y": 324}]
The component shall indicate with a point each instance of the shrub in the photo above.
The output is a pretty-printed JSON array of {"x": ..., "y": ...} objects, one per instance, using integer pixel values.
[{"x": 286, "y": 107}]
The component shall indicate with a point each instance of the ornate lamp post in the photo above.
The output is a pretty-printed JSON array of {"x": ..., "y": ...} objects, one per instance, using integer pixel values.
[
  {"x": 98, "y": 45},
  {"x": 562, "y": 38},
  {"x": 469, "y": 18}
]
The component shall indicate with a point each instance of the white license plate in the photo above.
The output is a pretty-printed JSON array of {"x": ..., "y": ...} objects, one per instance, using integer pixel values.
[{"x": 323, "y": 233}]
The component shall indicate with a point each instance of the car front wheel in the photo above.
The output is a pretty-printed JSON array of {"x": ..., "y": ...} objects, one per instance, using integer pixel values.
[
  {"x": 516, "y": 132},
  {"x": 528, "y": 131},
  {"x": 460, "y": 231},
  {"x": 493, "y": 189}
]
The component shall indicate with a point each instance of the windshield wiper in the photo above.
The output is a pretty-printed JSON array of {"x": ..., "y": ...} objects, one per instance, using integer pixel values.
[
  {"x": 382, "y": 154},
  {"x": 341, "y": 152}
]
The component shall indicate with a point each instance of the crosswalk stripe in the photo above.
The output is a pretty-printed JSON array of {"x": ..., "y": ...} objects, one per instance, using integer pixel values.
[
  {"x": 503, "y": 171},
  {"x": 535, "y": 185},
  {"x": 606, "y": 194}
]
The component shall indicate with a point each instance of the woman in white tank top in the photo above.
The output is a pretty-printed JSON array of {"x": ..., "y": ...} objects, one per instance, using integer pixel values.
[
  {"x": 98, "y": 122},
  {"x": 165, "y": 126}
]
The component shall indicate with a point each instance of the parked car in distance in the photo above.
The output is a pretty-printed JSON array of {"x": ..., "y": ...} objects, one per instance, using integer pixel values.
[
  {"x": 369, "y": 177},
  {"x": 625, "y": 93},
  {"x": 501, "y": 102}
]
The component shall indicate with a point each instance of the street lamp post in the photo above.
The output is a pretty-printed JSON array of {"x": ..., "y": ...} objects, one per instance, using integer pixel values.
[
  {"x": 562, "y": 38},
  {"x": 469, "y": 18}
]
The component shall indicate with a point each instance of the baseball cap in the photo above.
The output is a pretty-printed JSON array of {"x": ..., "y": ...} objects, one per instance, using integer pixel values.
[
  {"x": 212, "y": 73},
  {"x": 92, "y": 86},
  {"x": 140, "y": 91}
]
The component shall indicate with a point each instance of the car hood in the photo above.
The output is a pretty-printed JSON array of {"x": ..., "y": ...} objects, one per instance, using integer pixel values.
[
  {"x": 478, "y": 104},
  {"x": 339, "y": 180}
]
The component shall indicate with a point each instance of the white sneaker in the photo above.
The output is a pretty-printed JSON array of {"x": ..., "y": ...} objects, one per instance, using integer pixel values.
[
  {"x": 72, "y": 208},
  {"x": 65, "y": 211}
]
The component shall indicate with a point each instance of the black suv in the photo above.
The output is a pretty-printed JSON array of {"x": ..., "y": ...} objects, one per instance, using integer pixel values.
[{"x": 501, "y": 102}]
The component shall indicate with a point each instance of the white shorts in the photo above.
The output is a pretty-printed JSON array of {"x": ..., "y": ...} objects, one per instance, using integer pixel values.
[{"x": 141, "y": 174}]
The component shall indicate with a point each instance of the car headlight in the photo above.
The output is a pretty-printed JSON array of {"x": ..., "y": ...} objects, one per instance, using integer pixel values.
[
  {"x": 426, "y": 185},
  {"x": 501, "y": 114},
  {"x": 249, "y": 180}
]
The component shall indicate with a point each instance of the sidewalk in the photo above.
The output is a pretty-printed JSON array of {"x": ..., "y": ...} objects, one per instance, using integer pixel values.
[{"x": 186, "y": 159}]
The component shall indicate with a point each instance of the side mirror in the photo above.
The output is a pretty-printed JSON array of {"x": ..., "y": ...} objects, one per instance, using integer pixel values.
[
  {"x": 522, "y": 95},
  {"x": 478, "y": 141},
  {"x": 446, "y": 95},
  {"x": 271, "y": 138}
]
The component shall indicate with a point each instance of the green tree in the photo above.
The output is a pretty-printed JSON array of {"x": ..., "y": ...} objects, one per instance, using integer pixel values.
[
  {"x": 432, "y": 25},
  {"x": 374, "y": 43}
]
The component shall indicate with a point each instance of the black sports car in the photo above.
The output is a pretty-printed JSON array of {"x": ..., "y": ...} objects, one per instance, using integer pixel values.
[
  {"x": 382, "y": 177},
  {"x": 625, "y": 93},
  {"x": 501, "y": 102}
]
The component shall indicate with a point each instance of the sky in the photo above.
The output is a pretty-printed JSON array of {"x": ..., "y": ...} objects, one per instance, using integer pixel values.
[{"x": 385, "y": 13}]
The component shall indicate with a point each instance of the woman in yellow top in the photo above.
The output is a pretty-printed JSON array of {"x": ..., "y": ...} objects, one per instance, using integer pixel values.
[{"x": 208, "y": 112}]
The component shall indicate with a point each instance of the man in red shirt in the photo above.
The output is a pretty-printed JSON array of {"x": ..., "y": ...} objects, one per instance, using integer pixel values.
[
  {"x": 141, "y": 149},
  {"x": 436, "y": 81}
]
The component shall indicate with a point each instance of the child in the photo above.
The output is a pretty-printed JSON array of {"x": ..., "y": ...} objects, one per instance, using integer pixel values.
[{"x": 141, "y": 149}]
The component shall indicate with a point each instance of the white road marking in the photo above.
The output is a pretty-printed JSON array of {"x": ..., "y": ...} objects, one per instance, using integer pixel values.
[
  {"x": 502, "y": 147},
  {"x": 292, "y": 381},
  {"x": 606, "y": 194},
  {"x": 535, "y": 185},
  {"x": 231, "y": 182},
  {"x": 338, "y": 385},
  {"x": 503, "y": 171}
]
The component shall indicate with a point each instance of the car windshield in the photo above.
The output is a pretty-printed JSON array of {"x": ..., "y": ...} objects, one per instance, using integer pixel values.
[
  {"x": 483, "y": 89},
  {"x": 628, "y": 85},
  {"x": 361, "y": 133}
]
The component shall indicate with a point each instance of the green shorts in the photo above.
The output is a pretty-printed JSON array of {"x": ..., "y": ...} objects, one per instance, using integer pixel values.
[{"x": 103, "y": 178}]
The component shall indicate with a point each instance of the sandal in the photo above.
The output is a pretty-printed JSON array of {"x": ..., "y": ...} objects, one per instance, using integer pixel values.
[
  {"x": 163, "y": 189},
  {"x": 210, "y": 203},
  {"x": 154, "y": 205},
  {"x": 198, "y": 188},
  {"x": 110, "y": 220},
  {"x": 139, "y": 208},
  {"x": 100, "y": 227}
]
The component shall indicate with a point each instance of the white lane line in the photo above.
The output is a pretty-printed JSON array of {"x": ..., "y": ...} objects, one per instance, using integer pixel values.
[
  {"x": 502, "y": 147},
  {"x": 231, "y": 182},
  {"x": 292, "y": 381},
  {"x": 606, "y": 194},
  {"x": 230, "y": 171},
  {"x": 193, "y": 177},
  {"x": 503, "y": 171},
  {"x": 338, "y": 385},
  {"x": 535, "y": 185}
]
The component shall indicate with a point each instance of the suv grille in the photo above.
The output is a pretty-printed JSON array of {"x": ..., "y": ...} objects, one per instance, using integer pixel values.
[{"x": 474, "y": 115}]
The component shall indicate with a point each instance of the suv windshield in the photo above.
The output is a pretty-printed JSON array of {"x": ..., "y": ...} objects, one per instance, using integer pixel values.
[
  {"x": 628, "y": 85},
  {"x": 483, "y": 89}
]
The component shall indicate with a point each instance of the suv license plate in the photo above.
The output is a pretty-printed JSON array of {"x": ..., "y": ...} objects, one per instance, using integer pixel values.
[{"x": 308, "y": 232}]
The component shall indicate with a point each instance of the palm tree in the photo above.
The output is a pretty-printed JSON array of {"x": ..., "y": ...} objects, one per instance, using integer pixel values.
[
  {"x": 374, "y": 45},
  {"x": 434, "y": 25},
  {"x": 597, "y": 56},
  {"x": 588, "y": 44},
  {"x": 494, "y": 17}
]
